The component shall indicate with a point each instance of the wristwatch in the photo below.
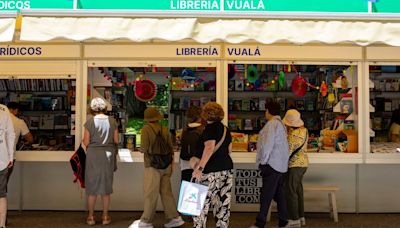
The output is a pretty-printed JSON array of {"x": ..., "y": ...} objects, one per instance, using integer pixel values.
[{"x": 200, "y": 168}]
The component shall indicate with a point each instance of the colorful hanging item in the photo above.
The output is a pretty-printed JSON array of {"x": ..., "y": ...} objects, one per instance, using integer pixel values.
[
  {"x": 299, "y": 86},
  {"x": 252, "y": 74},
  {"x": 187, "y": 72},
  {"x": 145, "y": 90},
  {"x": 331, "y": 95},
  {"x": 323, "y": 89},
  {"x": 281, "y": 79}
]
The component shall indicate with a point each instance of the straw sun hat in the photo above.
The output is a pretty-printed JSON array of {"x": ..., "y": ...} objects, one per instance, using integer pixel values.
[
  {"x": 151, "y": 115},
  {"x": 292, "y": 118}
]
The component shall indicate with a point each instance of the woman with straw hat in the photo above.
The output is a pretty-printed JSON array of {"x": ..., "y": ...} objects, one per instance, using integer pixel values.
[{"x": 298, "y": 163}]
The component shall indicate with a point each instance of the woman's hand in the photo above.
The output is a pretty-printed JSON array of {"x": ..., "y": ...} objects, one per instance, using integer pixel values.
[{"x": 197, "y": 174}]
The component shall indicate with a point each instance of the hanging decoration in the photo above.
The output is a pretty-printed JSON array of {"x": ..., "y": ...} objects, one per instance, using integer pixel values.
[
  {"x": 252, "y": 73},
  {"x": 324, "y": 89},
  {"x": 145, "y": 90},
  {"x": 281, "y": 79},
  {"x": 331, "y": 95},
  {"x": 299, "y": 85}
]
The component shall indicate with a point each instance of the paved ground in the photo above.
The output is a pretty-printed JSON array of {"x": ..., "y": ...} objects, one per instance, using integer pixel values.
[{"x": 63, "y": 219}]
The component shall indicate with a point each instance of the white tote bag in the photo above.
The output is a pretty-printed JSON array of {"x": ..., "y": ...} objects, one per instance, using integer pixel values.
[{"x": 191, "y": 198}]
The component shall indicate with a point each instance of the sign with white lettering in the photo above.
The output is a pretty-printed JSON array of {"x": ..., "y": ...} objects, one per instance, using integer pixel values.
[
  {"x": 360, "y": 6},
  {"x": 248, "y": 183},
  {"x": 17, "y": 5},
  {"x": 39, "y": 51}
]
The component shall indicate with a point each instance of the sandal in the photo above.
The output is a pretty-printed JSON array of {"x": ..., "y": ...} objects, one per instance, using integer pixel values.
[
  {"x": 90, "y": 220},
  {"x": 106, "y": 219}
]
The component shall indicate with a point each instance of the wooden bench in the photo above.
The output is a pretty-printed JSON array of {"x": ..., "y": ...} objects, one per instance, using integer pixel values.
[{"x": 330, "y": 189}]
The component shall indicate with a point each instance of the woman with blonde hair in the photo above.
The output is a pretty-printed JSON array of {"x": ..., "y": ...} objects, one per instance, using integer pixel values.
[
  {"x": 298, "y": 163},
  {"x": 215, "y": 167},
  {"x": 100, "y": 139}
]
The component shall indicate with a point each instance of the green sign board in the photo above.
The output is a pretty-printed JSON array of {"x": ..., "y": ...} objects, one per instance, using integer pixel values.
[
  {"x": 386, "y": 6},
  {"x": 345, "y": 6},
  {"x": 297, "y": 6},
  {"x": 208, "y": 5},
  {"x": 18, "y": 5}
]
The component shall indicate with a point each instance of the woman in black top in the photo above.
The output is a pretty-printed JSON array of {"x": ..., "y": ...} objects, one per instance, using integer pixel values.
[
  {"x": 215, "y": 167},
  {"x": 190, "y": 142}
]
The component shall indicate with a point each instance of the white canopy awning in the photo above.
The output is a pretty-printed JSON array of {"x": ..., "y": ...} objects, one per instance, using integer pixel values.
[
  {"x": 205, "y": 30},
  {"x": 7, "y": 26}
]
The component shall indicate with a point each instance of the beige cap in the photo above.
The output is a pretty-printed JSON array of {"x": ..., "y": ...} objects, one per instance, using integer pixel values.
[
  {"x": 293, "y": 118},
  {"x": 151, "y": 115}
]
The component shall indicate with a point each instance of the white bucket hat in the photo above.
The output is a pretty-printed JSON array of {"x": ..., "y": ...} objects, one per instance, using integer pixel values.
[
  {"x": 98, "y": 104},
  {"x": 293, "y": 118}
]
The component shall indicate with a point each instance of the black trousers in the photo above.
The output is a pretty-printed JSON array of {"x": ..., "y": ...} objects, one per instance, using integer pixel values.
[{"x": 272, "y": 188}]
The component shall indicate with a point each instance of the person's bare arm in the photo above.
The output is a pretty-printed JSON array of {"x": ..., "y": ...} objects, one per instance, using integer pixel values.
[
  {"x": 116, "y": 136},
  {"x": 29, "y": 138},
  {"x": 208, "y": 151},
  {"x": 86, "y": 138}
]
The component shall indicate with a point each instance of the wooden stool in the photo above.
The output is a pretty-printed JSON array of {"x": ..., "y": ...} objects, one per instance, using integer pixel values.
[{"x": 330, "y": 189}]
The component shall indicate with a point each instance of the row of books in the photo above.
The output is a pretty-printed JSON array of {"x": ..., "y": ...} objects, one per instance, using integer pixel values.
[
  {"x": 386, "y": 105},
  {"x": 258, "y": 104},
  {"x": 50, "y": 121},
  {"x": 387, "y": 85},
  {"x": 36, "y": 85},
  {"x": 183, "y": 103},
  {"x": 250, "y": 124}
]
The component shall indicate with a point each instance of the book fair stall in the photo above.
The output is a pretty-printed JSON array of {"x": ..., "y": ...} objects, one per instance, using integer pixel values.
[{"x": 345, "y": 83}]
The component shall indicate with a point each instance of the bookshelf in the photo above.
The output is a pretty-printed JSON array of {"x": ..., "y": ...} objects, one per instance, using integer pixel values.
[
  {"x": 48, "y": 108},
  {"x": 178, "y": 88},
  {"x": 384, "y": 88},
  {"x": 248, "y": 92}
]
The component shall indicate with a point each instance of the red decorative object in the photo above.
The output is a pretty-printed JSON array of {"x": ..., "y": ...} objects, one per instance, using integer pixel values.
[
  {"x": 145, "y": 90},
  {"x": 324, "y": 89},
  {"x": 299, "y": 86}
]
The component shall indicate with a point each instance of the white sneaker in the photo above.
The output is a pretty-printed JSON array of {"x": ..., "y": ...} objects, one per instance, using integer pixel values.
[
  {"x": 178, "y": 221},
  {"x": 303, "y": 221},
  {"x": 294, "y": 223},
  {"x": 140, "y": 224}
]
